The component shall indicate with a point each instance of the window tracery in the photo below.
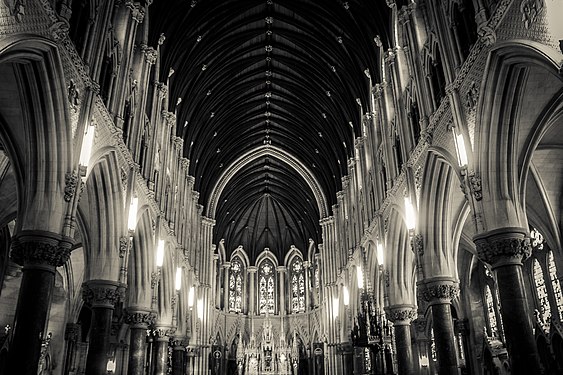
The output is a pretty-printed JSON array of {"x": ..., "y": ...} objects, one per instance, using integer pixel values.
[
  {"x": 266, "y": 287},
  {"x": 541, "y": 290},
  {"x": 235, "y": 286},
  {"x": 297, "y": 286},
  {"x": 491, "y": 313}
]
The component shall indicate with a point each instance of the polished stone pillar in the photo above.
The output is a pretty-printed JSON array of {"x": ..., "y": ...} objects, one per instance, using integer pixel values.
[
  {"x": 139, "y": 320},
  {"x": 252, "y": 294},
  {"x": 39, "y": 253},
  {"x": 401, "y": 316},
  {"x": 439, "y": 293},
  {"x": 226, "y": 267},
  {"x": 178, "y": 354},
  {"x": 505, "y": 249},
  {"x": 281, "y": 270},
  {"x": 160, "y": 350},
  {"x": 101, "y": 296}
]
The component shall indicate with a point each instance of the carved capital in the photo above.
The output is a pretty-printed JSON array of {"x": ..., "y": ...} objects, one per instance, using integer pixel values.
[
  {"x": 443, "y": 291},
  {"x": 140, "y": 318},
  {"x": 503, "y": 246},
  {"x": 164, "y": 333},
  {"x": 401, "y": 314},
  {"x": 150, "y": 55},
  {"x": 40, "y": 248},
  {"x": 100, "y": 293}
]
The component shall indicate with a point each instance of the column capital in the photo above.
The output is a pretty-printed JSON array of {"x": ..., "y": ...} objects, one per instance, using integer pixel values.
[
  {"x": 401, "y": 314},
  {"x": 439, "y": 291},
  {"x": 227, "y": 265},
  {"x": 281, "y": 268},
  {"x": 503, "y": 246},
  {"x": 40, "y": 248},
  {"x": 252, "y": 269},
  {"x": 306, "y": 264},
  {"x": 139, "y": 318},
  {"x": 164, "y": 333},
  {"x": 100, "y": 293}
]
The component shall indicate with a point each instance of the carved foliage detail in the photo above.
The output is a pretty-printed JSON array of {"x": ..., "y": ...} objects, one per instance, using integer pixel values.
[
  {"x": 490, "y": 250},
  {"x": 103, "y": 295},
  {"x": 36, "y": 252},
  {"x": 401, "y": 314},
  {"x": 443, "y": 291},
  {"x": 140, "y": 318}
]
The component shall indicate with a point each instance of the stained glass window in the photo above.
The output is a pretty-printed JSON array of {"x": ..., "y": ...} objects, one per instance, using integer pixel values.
[
  {"x": 267, "y": 288},
  {"x": 543, "y": 299},
  {"x": 235, "y": 286},
  {"x": 555, "y": 284},
  {"x": 297, "y": 286},
  {"x": 433, "y": 346},
  {"x": 491, "y": 313}
]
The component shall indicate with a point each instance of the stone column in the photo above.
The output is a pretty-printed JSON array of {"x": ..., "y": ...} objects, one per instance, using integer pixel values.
[
  {"x": 281, "y": 270},
  {"x": 101, "y": 296},
  {"x": 307, "y": 266},
  {"x": 178, "y": 352},
  {"x": 505, "y": 249},
  {"x": 160, "y": 350},
  {"x": 401, "y": 316},
  {"x": 139, "y": 320},
  {"x": 439, "y": 294},
  {"x": 39, "y": 253},
  {"x": 252, "y": 293},
  {"x": 226, "y": 267}
]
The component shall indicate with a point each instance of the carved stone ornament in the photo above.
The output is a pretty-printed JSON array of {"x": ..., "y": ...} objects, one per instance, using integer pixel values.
[
  {"x": 123, "y": 242},
  {"x": 140, "y": 319},
  {"x": 471, "y": 96},
  {"x": 475, "y": 185},
  {"x": 401, "y": 314},
  {"x": 530, "y": 10},
  {"x": 39, "y": 251},
  {"x": 418, "y": 244},
  {"x": 100, "y": 293},
  {"x": 440, "y": 292},
  {"x": 72, "y": 180},
  {"x": 499, "y": 248}
]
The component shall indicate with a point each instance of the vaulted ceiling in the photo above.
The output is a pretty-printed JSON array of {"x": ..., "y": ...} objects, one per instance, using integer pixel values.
[{"x": 293, "y": 75}]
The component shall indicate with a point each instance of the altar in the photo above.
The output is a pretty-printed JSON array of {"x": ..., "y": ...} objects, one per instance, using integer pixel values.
[{"x": 267, "y": 354}]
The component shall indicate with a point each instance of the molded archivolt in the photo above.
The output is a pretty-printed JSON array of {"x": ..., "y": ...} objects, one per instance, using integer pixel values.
[
  {"x": 401, "y": 260},
  {"x": 440, "y": 196},
  {"x": 267, "y": 150},
  {"x": 141, "y": 261},
  {"x": 32, "y": 133},
  {"x": 521, "y": 79}
]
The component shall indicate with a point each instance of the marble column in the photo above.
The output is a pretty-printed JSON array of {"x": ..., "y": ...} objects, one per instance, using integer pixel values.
[
  {"x": 252, "y": 294},
  {"x": 281, "y": 270},
  {"x": 39, "y": 253},
  {"x": 505, "y": 249},
  {"x": 401, "y": 316},
  {"x": 101, "y": 296},
  {"x": 308, "y": 289},
  {"x": 226, "y": 267},
  {"x": 160, "y": 350},
  {"x": 178, "y": 353},
  {"x": 439, "y": 294},
  {"x": 139, "y": 320}
]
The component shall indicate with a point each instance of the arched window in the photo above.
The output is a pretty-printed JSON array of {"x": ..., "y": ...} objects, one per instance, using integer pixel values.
[
  {"x": 543, "y": 299},
  {"x": 491, "y": 313},
  {"x": 267, "y": 287},
  {"x": 552, "y": 268},
  {"x": 297, "y": 286},
  {"x": 235, "y": 286}
]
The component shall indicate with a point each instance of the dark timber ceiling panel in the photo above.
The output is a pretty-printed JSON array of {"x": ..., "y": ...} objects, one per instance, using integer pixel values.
[{"x": 294, "y": 74}]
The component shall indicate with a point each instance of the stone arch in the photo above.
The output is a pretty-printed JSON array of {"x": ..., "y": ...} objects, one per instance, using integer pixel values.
[
  {"x": 402, "y": 265},
  {"x": 32, "y": 133},
  {"x": 103, "y": 210},
  {"x": 510, "y": 122},
  {"x": 438, "y": 206},
  {"x": 166, "y": 286},
  {"x": 141, "y": 261}
]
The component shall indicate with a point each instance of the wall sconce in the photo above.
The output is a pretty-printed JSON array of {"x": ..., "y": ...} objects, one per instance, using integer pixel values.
[
  {"x": 200, "y": 309},
  {"x": 410, "y": 216},
  {"x": 380, "y": 255},
  {"x": 424, "y": 361},
  {"x": 110, "y": 367},
  {"x": 345, "y": 295},
  {"x": 160, "y": 254},
  {"x": 132, "y": 219},
  {"x": 86, "y": 150},
  {"x": 460, "y": 148}
]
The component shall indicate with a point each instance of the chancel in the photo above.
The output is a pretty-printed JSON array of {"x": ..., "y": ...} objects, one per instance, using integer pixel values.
[{"x": 281, "y": 187}]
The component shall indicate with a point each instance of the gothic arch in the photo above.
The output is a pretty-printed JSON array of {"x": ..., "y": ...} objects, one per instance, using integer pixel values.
[
  {"x": 103, "y": 210},
  {"x": 166, "y": 286},
  {"x": 402, "y": 264},
  {"x": 509, "y": 123},
  {"x": 141, "y": 262}
]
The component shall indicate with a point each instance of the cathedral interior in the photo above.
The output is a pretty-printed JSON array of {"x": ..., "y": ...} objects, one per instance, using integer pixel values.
[{"x": 287, "y": 187}]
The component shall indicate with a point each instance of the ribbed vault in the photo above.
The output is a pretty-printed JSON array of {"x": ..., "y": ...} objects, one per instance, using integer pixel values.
[{"x": 295, "y": 74}]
